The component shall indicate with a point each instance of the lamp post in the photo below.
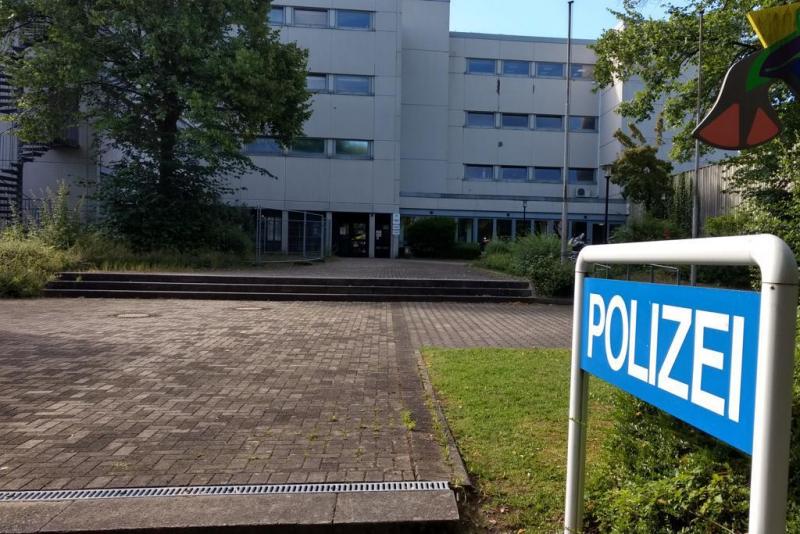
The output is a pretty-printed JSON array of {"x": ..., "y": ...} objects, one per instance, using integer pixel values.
[
  {"x": 524, "y": 219},
  {"x": 605, "y": 217}
]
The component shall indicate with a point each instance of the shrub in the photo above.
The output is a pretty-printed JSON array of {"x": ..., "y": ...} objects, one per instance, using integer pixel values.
[
  {"x": 431, "y": 237},
  {"x": 550, "y": 277},
  {"x": 738, "y": 277},
  {"x": 465, "y": 251},
  {"x": 59, "y": 224},
  {"x": 26, "y": 265},
  {"x": 528, "y": 249},
  {"x": 498, "y": 262},
  {"x": 648, "y": 229},
  {"x": 497, "y": 246}
]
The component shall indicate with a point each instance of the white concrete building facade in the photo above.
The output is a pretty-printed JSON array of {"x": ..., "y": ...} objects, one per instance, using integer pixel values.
[{"x": 412, "y": 120}]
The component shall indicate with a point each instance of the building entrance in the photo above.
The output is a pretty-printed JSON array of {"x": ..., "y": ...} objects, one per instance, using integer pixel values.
[
  {"x": 383, "y": 235},
  {"x": 350, "y": 235}
]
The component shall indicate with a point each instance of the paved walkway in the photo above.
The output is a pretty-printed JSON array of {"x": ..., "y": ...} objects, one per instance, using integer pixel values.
[
  {"x": 213, "y": 392},
  {"x": 374, "y": 268}
]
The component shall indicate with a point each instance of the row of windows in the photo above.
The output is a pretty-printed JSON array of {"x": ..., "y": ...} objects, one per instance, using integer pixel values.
[
  {"x": 345, "y": 19},
  {"x": 523, "y": 121},
  {"x": 515, "y": 173},
  {"x": 312, "y": 146},
  {"x": 342, "y": 84},
  {"x": 540, "y": 69}
]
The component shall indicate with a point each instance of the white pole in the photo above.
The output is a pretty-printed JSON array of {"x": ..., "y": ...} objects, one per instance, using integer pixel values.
[
  {"x": 696, "y": 181},
  {"x": 565, "y": 171}
]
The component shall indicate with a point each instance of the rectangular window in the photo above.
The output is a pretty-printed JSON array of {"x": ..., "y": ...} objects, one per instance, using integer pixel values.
[
  {"x": 478, "y": 172},
  {"x": 514, "y": 174},
  {"x": 545, "y": 69},
  {"x": 308, "y": 146},
  {"x": 353, "y": 148},
  {"x": 582, "y": 72},
  {"x": 317, "y": 18},
  {"x": 514, "y": 120},
  {"x": 478, "y": 119},
  {"x": 316, "y": 83},
  {"x": 263, "y": 145},
  {"x": 516, "y": 68},
  {"x": 480, "y": 66},
  {"x": 582, "y": 124},
  {"x": 581, "y": 176},
  {"x": 547, "y": 174},
  {"x": 352, "y": 85},
  {"x": 356, "y": 20},
  {"x": 549, "y": 122},
  {"x": 276, "y": 16}
]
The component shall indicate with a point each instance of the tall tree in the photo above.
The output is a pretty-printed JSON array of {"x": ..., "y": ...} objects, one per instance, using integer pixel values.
[
  {"x": 174, "y": 88},
  {"x": 663, "y": 54}
]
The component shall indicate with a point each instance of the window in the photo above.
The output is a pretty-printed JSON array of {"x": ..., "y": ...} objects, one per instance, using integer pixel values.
[
  {"x": 514, "y": 120},
  {"x": 480, "y": 66},
  {"x": 359, "y": 20},
  {"x": 547, "y": 174},
  {"x": 514, "y": 174},
  {"x": 478, "y": 172},
  {"x": 477, "y": 119},
  {"x": 516, "y": 68},
  {"x": 582, "y": 72},
  {"x": 353, "y": 85},
  {"x": 263, "y": 145},
  {"x": 353, "y": 148},
  {"x": 308, "y": 146},
  {"x": 582, "y": 124},
  {"x": 549, "y": 122},
  {"x": 316, "y": 83},
  {"x": 311, "y": 17},
  {"x": 545, "y": 69},
  {"x": 277, "y": 16},
  {"x": 581, "y": 176}
]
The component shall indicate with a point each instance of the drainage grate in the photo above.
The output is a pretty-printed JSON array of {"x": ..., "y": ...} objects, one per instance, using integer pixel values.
[
  {"x": 250, "y": 489},
  {"x": 132, "y": 315}
]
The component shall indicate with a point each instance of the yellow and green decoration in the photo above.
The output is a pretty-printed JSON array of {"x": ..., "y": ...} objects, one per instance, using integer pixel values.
[{"x": 743, "y": 117}]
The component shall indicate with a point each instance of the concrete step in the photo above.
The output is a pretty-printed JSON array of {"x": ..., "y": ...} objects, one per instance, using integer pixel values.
[
  {"x": 286, "y": 280},
  {"x": 267, "y": 287},
  {"x": 352, "y": 297}
]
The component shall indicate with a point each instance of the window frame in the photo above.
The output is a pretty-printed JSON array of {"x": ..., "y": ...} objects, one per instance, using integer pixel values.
[
  {"x": 282, "y": 9},
  {"x": 310, "y": 9},
  {"x": 546, "y": 128},
  {"x": 527, "y": 121},
  {"x": 338, "y": 155},
  {"x": 368, "y": 79},
  {"x": 543, "y": 167},
  {"x": 582, "y": 117},
  {"x": 503, "y": 68},
  {"x": 370, "y": 20},
  {"x": 514, "y": 180},
  {"x": 324, "y": 78},
  {"x": 291, "y": 151},
  {"x": 582, "y": 66},
  {"x": 467, "y": 123},
  {"x": 561, "y": 76},
  {"x": 476, "y": 73},
  {"x": 481, "y": 179},
  {"x": 276, "y": 151},
  {"x": 575, "y": 181}
]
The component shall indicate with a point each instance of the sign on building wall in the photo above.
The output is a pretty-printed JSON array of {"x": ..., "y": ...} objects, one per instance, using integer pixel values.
[{"x": 395, "y": 224}]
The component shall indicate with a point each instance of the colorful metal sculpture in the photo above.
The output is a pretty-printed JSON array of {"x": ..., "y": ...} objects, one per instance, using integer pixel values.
[{"x": 743, "y": 117}]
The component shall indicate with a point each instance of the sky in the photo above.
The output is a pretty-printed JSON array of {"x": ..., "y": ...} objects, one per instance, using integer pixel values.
[{"x": 542, "y": 18}]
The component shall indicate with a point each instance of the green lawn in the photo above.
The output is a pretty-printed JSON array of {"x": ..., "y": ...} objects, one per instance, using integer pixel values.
[{"x": 507, "y": 409}]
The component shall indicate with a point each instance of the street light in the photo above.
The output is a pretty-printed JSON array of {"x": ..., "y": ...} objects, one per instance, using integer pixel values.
[
  {"x": 524, "y": 221},
  {"x": 605, "y": 218}
]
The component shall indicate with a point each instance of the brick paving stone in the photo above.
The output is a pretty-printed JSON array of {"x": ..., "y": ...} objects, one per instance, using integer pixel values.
[{"x": 203, "y": 393}]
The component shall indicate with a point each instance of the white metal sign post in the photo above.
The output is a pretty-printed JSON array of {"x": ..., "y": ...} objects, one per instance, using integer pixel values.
[{"x": 732, "y": 379}]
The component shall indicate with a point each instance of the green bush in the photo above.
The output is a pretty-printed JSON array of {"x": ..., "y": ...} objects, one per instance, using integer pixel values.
[
  {"x": 465, "y": 251},
  {"x": 59, "y": 224},
  {"x": 550, "y": 277},
  {"x": 26, "y": 265},
  {"x": 498, "y": 262},
  {"x": 431, "y": 237},
  {"x": 648, "y": 229},
  {"x": 527, "y": 249},
  {"x": 497, "y": 246},
  {"x": 737, "y": 277}
]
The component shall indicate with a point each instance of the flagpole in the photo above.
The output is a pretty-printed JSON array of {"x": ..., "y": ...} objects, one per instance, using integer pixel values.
[
  {"x": 565, "y": 172},
  {"x": 696, "y": 181}
]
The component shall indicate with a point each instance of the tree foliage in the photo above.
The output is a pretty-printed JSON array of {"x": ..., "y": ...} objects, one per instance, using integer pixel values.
[
  {"x": 172, "y": 88},
  {"x": 644, "y": 177}
]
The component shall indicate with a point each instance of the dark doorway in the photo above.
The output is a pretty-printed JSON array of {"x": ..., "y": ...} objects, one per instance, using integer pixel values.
[
  {"x": 350, "y": 231},
  {"x": 383, "y": 235}
]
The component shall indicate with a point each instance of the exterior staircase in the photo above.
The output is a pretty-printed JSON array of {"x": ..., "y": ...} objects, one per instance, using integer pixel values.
[{"x": 230, "y": 287}]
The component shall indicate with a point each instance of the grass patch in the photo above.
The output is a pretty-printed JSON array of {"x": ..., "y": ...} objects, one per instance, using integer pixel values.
[
  {"x": 408, "y": 420},
  {"x": 507, "y": 409}
]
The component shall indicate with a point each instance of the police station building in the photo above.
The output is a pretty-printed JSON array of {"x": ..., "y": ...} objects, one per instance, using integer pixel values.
[{"x": 412, "y": 120}]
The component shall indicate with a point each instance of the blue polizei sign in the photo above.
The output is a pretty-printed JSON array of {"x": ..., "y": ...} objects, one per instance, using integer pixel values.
[{"x": 689, "y": 351}]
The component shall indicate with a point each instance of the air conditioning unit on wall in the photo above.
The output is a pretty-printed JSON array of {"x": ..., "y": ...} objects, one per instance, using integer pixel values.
[{"x": 583, "y": 191}]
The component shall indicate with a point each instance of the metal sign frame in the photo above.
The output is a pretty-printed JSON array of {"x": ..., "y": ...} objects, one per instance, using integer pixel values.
[{"x": 776, "y": 344}]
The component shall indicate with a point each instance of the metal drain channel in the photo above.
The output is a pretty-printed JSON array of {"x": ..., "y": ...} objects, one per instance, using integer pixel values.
[{"x": 245, "y": 489}]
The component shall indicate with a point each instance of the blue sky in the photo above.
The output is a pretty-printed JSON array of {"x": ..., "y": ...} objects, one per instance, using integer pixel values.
[{"x": 543, "y": 18}]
